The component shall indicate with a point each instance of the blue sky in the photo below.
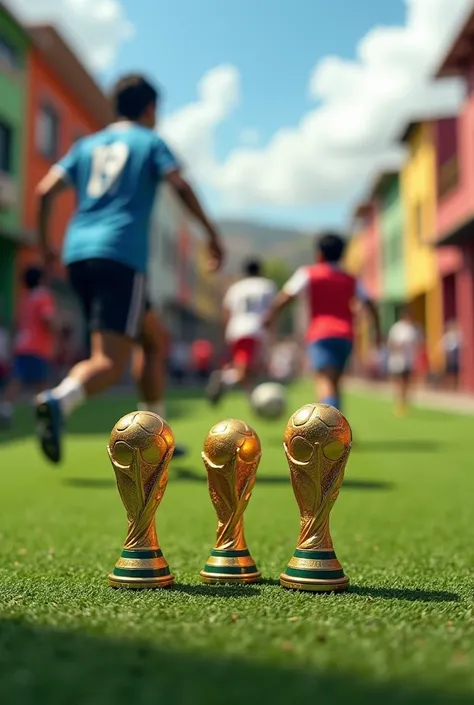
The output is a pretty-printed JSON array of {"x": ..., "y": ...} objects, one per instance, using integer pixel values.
[{"x": 274, "y": 44}]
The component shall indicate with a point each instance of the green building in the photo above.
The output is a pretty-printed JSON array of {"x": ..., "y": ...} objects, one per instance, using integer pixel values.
[
  {"x": 390, "y": 209},
  {"x": 13, "y": 111}
]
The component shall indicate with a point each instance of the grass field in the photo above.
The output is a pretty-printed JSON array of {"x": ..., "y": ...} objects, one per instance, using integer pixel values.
[{"x": 403, "y": 529}]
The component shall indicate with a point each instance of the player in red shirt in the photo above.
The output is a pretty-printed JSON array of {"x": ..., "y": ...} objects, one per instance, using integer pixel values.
[
  {"x": 330, "y": 294},
  {"x": 34, "y": 343}
]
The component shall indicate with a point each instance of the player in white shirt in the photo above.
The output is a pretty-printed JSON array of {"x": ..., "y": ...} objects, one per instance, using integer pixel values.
[
  {"x": 245, "y": 305},
  {"x": 404, "y": 342}
]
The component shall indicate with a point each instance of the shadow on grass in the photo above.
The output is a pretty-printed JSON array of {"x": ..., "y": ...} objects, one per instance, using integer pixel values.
[
  {"x": 48, "y": 666},
  {"x": 186, "y": 475},
  {"x": 404, "y": 594}
]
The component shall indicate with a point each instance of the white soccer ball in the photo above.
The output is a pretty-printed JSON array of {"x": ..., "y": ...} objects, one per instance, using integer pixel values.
[{"x": 268, "y": 400}]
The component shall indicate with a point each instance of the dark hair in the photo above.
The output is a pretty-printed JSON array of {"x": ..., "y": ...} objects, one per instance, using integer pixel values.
[
  {"x": 132, "y": 95},
  {"x": 253, "y": 268},
  {"x": 331, "y": 246},
  {"x": 32, "y": 277}
]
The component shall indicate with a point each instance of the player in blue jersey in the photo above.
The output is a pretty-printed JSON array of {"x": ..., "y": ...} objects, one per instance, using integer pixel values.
[{"x": 115, "y": 174}]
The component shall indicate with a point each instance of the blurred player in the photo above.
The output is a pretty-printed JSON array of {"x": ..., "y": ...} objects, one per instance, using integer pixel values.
[
  {"x": 5, "y": 354},
  {"x": 245, "y": 305},
  {"x": 404, "y": 345},
  {"x": 34, "y": 344},
  {"x": 115, "y": 174},
  {"x": 330, "y": 293}
]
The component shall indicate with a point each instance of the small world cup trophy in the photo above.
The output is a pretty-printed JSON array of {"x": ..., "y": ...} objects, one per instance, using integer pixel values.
[
  {"x": 231, "y": 455},
  {"x": 140, "y": 448},
  {"x": 317, "y": 445}
]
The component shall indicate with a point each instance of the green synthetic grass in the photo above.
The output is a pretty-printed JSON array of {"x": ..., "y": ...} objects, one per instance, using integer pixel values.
[{"x": 402, "y": 528}]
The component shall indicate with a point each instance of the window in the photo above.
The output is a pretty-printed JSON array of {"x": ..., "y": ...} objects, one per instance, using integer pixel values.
[
  {"x": 8, "y": 54},
  {"x": 47, "y": 132},
  {"x": 6, "y": 143}
]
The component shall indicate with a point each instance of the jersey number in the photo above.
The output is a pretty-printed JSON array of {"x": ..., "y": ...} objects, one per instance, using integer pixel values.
[{"x": 108, "y": 162}]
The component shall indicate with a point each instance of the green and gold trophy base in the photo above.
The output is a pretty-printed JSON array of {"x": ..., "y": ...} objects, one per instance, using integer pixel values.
[
  {"x": 141, "y": 569},
  {"x": 317, "y": 571},
  {"x": 230, "y": 567}
]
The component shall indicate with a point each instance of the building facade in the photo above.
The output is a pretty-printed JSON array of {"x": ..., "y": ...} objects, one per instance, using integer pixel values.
[
  {"x": 63, "y": 104},
  {"x": 355, "y": 260},
  {"x": 419, "y": 199},
  {"x": 181, "y": 290},
  {"x": 14, "y": 43},
  {"x": 387, "y": 192},
  {"x": 455, "y": 210}
]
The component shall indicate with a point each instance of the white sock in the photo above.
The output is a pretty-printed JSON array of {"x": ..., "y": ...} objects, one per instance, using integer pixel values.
[
  {"x": 230, "y": 377},
  {"x": 70, "y": 393},
  {"x": 156, "y": 407}
]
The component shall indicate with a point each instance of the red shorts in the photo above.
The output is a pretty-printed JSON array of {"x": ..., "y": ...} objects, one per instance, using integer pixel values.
[{"x": 245, "y": 352}]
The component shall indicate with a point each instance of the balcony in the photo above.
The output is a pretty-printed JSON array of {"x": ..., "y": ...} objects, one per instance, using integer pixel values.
[
  {"x": 448, "y": 176},
  {"x": 8, "y": 191}
]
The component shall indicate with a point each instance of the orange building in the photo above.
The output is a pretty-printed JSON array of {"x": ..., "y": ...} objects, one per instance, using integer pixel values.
[{"x": 63, "y": 104}]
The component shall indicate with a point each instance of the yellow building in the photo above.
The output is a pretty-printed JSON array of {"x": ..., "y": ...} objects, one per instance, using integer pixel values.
[
  {"x": 418, "y": 189},
  {"x": 354, "y": 264}
]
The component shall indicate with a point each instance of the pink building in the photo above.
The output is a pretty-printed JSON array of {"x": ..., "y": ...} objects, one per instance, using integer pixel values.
[
  {"x": 455, "y": 210},
  {"x": 368, "y": 219}
]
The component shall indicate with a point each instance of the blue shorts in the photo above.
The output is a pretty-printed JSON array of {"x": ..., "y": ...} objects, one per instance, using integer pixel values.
[
  {"x": 31, "y": 370},
  {"x": 329, "y": 352}
]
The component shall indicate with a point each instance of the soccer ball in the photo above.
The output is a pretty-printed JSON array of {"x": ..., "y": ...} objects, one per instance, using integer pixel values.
[
  {"x": 223, "y": 439},
  {"x": 140, "y": 431},
  {"x": 269, "y": 400},
  {"x": 317, "y": 425}
]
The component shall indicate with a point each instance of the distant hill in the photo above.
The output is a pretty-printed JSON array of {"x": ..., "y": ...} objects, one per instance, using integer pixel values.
[{"x": 244, "y": 239}]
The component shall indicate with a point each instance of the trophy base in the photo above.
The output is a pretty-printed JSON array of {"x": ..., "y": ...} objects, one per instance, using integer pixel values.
[
  {"x": 315, "y": 571},
  {"x": 141, "y": 569},
  {"x": 230, "y": 567}
]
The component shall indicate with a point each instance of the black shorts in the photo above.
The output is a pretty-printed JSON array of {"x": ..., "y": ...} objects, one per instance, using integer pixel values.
[{"x": 113, "y": 296}]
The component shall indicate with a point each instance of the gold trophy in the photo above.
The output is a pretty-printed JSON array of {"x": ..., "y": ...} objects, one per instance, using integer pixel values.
[
  {"x": 231, "y": 455},
  {"x": 317, "y": 444},
  {"x": 140, "y": 448}
]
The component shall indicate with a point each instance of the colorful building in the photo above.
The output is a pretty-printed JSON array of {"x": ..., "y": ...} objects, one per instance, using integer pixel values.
[
  {"x": 367, "y": 219},
  {"x": 387, "y": 193},
  {"x": 14, "y": 43},
  {"x": 180, "y": 289},
  {"x": 63, "y": 104},
  {"x": 355, "y": 260},
  {"x": 419, "y": 198},
  {"x": 455, "y": 210}
]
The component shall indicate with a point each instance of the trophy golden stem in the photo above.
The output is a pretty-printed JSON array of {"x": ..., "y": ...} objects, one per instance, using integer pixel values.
[
  {"x": 141, "y": 482},
  {"x": 317, "y": 446},
  {"x": 231, "y": 457}
]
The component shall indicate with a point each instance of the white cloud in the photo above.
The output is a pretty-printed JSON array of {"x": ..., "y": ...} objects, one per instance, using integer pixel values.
[
  {"x": 250, "y": 136},
  {"x": 191, "y": 130},
  {"x": 95, "y": 28},
  {"x": 337, "y": 146}
]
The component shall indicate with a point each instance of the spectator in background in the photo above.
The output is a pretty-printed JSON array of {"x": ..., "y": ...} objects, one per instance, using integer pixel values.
[
  {"x": 34, "y": 343},
  {"x": 5, "y": 353},
  {"x": 451, "y": 346},
  {"x": 404, "y": 346},
  {"x": 202, "y": 358},
  {"x": 179, "y": 361}
]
